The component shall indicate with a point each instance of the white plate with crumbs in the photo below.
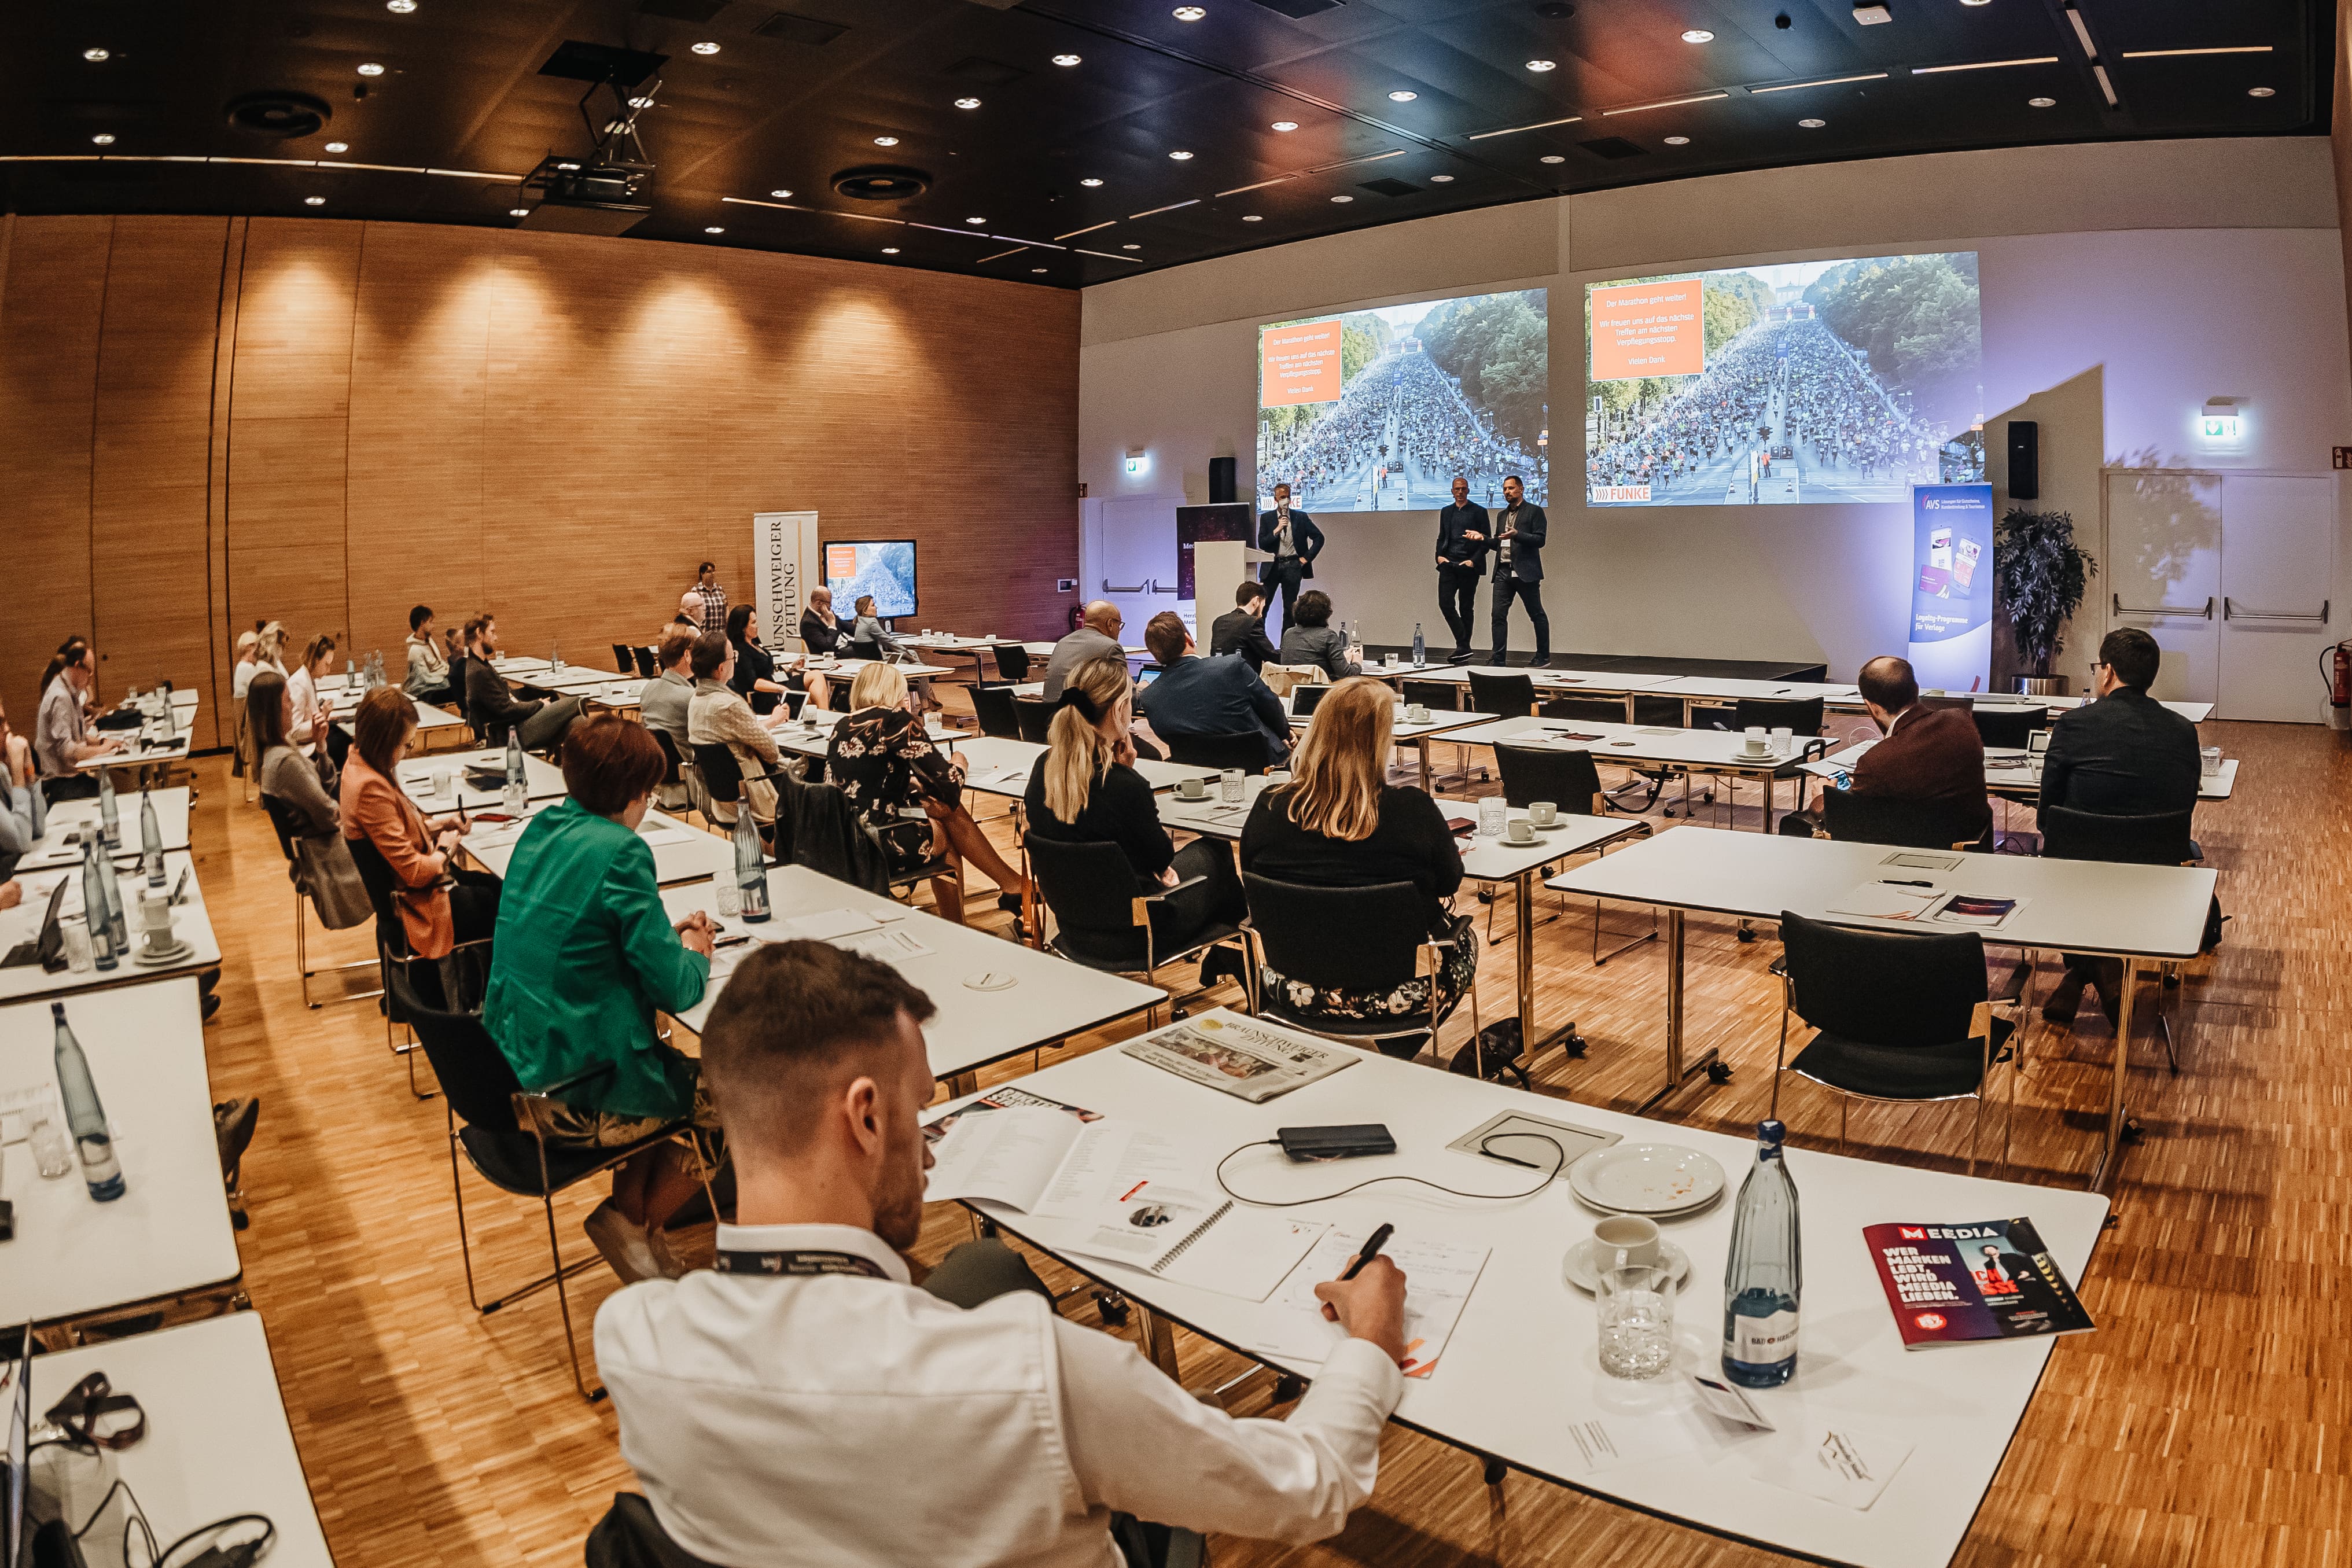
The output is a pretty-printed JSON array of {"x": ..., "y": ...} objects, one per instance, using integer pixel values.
[{"x": 1646, "y": 1179}]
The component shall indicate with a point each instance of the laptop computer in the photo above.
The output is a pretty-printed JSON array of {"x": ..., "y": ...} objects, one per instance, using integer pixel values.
[{"x": 49, "y": 949}]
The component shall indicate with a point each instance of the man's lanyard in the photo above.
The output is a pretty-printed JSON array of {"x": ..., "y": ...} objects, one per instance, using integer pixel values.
[{"x": 798, "y": 1264}]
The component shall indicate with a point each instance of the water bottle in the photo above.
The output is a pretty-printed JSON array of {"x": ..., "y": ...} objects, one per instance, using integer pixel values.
[
  {"x": 171, "y": 722},
  {"x": 517, "y": 792},
  {"x": 1420, "y": 647},
  {"x": 115, "y": 920},
  {"x": 751, "y": 864},
  {"x": 84, "y": 1115},
  {"x": 150, "y": 840},
  {"x": 93, "y": 905},
  {"x": 1765, "y": 1274},
  {"x": 350, "y": 675},
  {"x": 108, "y": 815},
  {"x": 555, "y": 656}
]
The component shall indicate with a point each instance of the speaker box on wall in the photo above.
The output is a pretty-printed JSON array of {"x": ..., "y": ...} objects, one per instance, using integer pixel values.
[
  {"x": 2024, "y": 460},
  {"x": 1221, "y": 481}
]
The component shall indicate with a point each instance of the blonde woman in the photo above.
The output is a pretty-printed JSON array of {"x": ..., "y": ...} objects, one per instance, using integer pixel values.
[
  {"x": 1087, "y": 791},
  {"x": 312, "y": 714},
  {"x": 1339, "y": 823},
  {"x": 264, "y": 648},
  {"x": 887, "y": 767}
]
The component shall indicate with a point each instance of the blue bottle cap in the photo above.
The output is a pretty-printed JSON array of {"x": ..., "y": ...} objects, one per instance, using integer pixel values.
[{"x": 1771, "y": 1133}]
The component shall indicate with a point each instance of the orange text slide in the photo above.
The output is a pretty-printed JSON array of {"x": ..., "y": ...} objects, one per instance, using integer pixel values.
[
  {"x": 1299, "y": 365},
  {"x": 1648, "y": 328}
]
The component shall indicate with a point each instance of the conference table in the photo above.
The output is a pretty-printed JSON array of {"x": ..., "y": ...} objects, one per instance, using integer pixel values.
[
  {"x": 217, "y": 1443},
  {"x": 1601, "y": 685},
  {"x": 168, "y": 1238},
  {"x": 190, "y": 926},
  {"x": 541, "y": 780},
  {"x": 1715, "y": 751},
  {"x": 681, "y": 853},
  {"x": 1413, "y": 735},
  {"x": 343, "y": 700},
  {"x": 2013, "y": 776},
  {"x": 145, "y": 747},
  {"x": 70, "y": 822},
  {"x": 995, "y": 998},
  {"x": 1518, "y": 1383},
  {"x": 2139, "y": 914},
  {"x": 993, "y": 764}
]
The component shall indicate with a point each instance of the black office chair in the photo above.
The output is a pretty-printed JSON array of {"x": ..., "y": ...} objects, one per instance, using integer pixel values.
[
  {"x": 621, "y": 659},
  {"x": 1902, "y": 1016},
  {"x": 999, "y": 711},
  {"x": 817, "y": 828},
  {"x": 504, "y": 1134},
  {"x": 2159, "y": 840},
  {"x": 1033, "y": 715},
  {"x": 456, "y": 983},
  {"x": 1505, "y": 696},
  {"x": 1570, "y": 781},
  {"x": 1368, "y": 939},
  {"x": 644, "y": 662},
  {"x": 1011, "y": 662},
  {"x": 1963, "y": 700},
  {"x": 674, "y": 768},
  {"x": 1853, "y": 818},
  {"x": 1801, "y": 716},
  {"x": 2004, "y": 728},
  {"x": 1305, "y": 700},
  {"x": 1588, "y": 710},
  {"x": 1103, "y": 916},
  {"x": 1243, "y": 751},
  {"x": 288, "y": 825},
  {"x": 1440, "y": 697},
  {"x": 719, "y": 779}
]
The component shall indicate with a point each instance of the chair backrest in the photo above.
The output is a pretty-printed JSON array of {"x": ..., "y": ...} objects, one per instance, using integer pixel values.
[
  {"x": 1968, "y": 703},
  {"x": 1011, "y": 662},
  {"x": 1881, "y": 987},
  {"x": 1091, "y": 891},
  {"x": 998, "y": 711},
  {"x": 1305, "y": 700},
  {"x": 826, "y": 835},
  {"x": 621, "y": 659},
  {"x": 1505, "y": 696},
  {"x": 1798, "y": 717},
  {"x": 1282, "y": 679},
  {"x": 1033, "y": 716},
  {"x": 1566, "y": 778},
  {"x": 1246, "y": 751},
  {"x": 672, "y": 764},
  {"x": 375, "y": 876},
  {"x": 644, "y": 662},
  {"x": 1437, "y": 695},
  {"x": 721, "y": 775},
  {"x": 1878, "y": 819},
  {"x": 283, "y": 817},
  {"x": 473, "y": 1072},
  {"x": 2160, "y": 839},
  {"x": 1348, "y": 939},
  {"x": 1590, "y": 709},
  {"x": 2009, "y": 728},
  {"x": 629, "y": 1536}
]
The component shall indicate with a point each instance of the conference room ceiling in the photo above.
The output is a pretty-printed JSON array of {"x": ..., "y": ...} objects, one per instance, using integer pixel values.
[{"x": 1066, "y": 175}]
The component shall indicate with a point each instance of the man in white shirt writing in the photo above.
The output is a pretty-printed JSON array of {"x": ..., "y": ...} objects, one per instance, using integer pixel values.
[{"x": 805, "y": 1403}]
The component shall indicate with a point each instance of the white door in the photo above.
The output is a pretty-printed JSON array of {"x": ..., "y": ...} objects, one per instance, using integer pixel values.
[
  {"x": 1139, "y": 560},
  {"x": 2163, "y": 574},
  {"x": 2276, "y": 569}
]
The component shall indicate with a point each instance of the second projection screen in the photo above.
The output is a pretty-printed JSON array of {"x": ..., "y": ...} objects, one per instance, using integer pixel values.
[
  {"x": 1378, "y": 410},
  {"x": 1810, "y": 380}
]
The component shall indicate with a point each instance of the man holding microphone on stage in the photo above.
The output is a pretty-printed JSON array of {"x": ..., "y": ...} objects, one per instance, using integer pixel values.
[
  {"x": 1461, "y": 543},
  {"x": 1518, "y": 569},
  {"x": 1293, "y": 542}
]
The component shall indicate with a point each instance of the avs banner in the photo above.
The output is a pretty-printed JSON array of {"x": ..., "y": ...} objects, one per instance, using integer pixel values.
[{"x": 1951, "y": 586}]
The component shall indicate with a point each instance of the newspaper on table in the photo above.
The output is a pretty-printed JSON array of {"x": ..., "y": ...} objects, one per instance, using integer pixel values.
[{"x": 1241, "y": 1055}]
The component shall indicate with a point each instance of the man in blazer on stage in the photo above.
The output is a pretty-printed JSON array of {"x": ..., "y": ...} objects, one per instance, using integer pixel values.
[
  {"x": 1293, "y": 542},
  {"x": 1518, "y": 570},
  {"x": 1463, "y": 537}
]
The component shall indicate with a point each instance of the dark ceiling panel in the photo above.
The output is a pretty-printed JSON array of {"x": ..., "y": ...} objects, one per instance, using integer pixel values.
[{"x": 794, "y": 95}]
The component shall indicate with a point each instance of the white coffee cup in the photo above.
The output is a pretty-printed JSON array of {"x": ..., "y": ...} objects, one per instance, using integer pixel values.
[
  {"x": 1519, "y": 830},
  {"x": 1191, "y": 789},
  {"x": 1416, "y": 713},
  {"x": 1542, "y": 813},
  {"x": 155, "y": 919},
  {"x": 1754, "y": 742},
  {"x": 1632, "y": 1235}
]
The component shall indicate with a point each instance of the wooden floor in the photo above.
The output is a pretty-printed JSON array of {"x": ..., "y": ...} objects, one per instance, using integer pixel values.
[{"x": 2206, "y": 1422}]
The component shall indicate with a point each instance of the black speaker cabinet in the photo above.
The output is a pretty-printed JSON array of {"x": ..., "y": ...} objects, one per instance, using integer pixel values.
[
  {"x": 2024, "y": 460},
  {"x": 1221, "y": 479}
]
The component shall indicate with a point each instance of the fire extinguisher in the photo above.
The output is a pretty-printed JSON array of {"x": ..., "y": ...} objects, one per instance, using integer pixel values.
[{"x": 2339, "y": 690}]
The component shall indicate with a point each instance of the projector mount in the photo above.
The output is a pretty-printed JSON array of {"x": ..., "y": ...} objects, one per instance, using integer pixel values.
[{"x": 616, "y": 164}]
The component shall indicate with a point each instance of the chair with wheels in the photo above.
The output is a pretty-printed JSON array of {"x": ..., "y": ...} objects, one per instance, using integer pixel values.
[
  {"x": 1440, "y": 697},
  {"x": 1853, "y": 818},
  {"x": 288, "y": 827},
  {"x": 999, "y": 711},
  {"x": 468, "y": 968},
  {"x": 1572, "y": 780},
  {"x": 1801, "y": 716},
  {"x": 1103, "y": 916},
  {"x": 2159, "y": 840},
  {"x": 675, "y": 791},
  {"x": 718, "y": 780},
  {"x": 817, "y": 828},
  {"x": 1903, "y": 1017},
  {"x": 2004, "y": 728},
  {"x": 1245, "y": 751},
  {"x": 1366, "y": 940},
  {"x": 1503, "y": 696},
  {"x": 1033, "y": 715}
]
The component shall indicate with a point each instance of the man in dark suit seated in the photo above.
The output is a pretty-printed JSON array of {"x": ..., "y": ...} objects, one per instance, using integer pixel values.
[
  {"x": 1933, "y": 756},
  {"x": 1293, "y": 542},
  {"x": 2125, "y": 754},
  {"x": 1242, "y": 629},
  {"x": 1196, "y": 696}
]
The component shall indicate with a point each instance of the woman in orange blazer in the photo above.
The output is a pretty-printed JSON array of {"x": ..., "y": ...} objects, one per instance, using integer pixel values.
[{"x": 440, "y": 907}]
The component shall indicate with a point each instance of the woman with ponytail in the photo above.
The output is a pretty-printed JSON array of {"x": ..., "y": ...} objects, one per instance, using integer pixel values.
[{"x": 1087, "y": 791}]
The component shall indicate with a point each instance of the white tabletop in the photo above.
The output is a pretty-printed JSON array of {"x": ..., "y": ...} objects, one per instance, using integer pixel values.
[
  {"x": 2077, "y": 906},
  {"x": 1728, "y": 688},
  {"x": 579, "y": 678},
  {"x": 428, "y": 717},
  {"x": 140, "y": 749},
  {"x": 72, "y": 818},
  {"x": 169, "y": 1232},
  {"x": 217, "y": 1443},
  {"x": 1484, "y": 858},
  {"x": 1048, "y": 998},
  {"x": 190, "y": 923},
  {"x": 1521, "y": 1366},
  {"x": 681, "y": 853},
  {"x": 1403, "y": 731},
  {"x": 845, "y": 670},
  {"x": 996, "y": 764},
  {"x": 1600, "y": 683},
  {"x": 2006, "y": 773},
  {"x": 811, "y": 733},
  {"x": 1628, "y": 744},
  {"x": 541, "y": 780}
]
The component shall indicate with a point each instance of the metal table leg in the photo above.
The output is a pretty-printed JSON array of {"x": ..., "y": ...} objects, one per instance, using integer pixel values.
[
  {"x": 1158, "y": 1338},
  {"x": 1677, "y": 1072},
  {"x": 1524, "y": 947},
  {"x": 2103, "y": 1174}
]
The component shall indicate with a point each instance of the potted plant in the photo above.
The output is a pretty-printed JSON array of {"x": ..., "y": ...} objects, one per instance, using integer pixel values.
[{"x": 2041, "y": 575}]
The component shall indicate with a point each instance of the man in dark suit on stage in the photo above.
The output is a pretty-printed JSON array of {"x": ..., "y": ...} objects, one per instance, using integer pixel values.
[
  {"x": 1518, "y": 571},
  {"x": 1463, "y": 537},
  {"x": 1242, "y": 629},
  {"x": 1293, "y": 542}
]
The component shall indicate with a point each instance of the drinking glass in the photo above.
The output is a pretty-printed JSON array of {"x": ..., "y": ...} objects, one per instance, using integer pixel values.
[
  {"x": 44, "y": 1130},
  {"x": 1229, "y": 784},
  {"x": 730, "y": 896},
  {"x": 79, "y": 957},
  {"x": 1636, "y": 1306},
  {"x": 1493, "y": 812},
  {"x": 1783, "y": 738}
]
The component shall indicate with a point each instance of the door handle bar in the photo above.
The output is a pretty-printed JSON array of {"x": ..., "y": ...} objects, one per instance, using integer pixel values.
[
  {"x": 2231, "y": 613},
  {"x": 2123, "y": 609}
]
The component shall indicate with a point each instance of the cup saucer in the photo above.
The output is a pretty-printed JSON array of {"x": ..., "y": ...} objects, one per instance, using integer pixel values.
[
  {"x": 1578, "y": 1268},
  {"x": 172, "y": 955}
]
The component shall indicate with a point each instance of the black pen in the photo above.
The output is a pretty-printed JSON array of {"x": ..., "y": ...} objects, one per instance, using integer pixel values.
[
  {"x": 1371, "y": 1249},
  {"x": 1896, "y": 882}
]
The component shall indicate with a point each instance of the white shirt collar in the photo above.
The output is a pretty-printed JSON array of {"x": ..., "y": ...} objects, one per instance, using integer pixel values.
[{"x": 852, "y": 1239}]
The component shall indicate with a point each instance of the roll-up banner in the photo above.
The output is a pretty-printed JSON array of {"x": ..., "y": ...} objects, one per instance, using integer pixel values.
[
  {"x": 1951, "y": 586},
  {"x": 785, "y": 556}
]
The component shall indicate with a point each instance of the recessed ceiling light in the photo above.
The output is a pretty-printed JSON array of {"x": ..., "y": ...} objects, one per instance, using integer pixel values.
[
  {"x": 2262, "y": 92},
  {"x": 1402, "y": 95},
  {"x": 1090, "y": 182},
  {"x": 1976, "y": 2},
  {"x": 338, "y": 147},
  {"x": 1698, "y": 35},
  {"x": 1252, "y": 218},
  {"x": 371, "y": 69},
  {"x": 1678, "y": 141},
  {"x": 1553, "y": 158},
  {"x": 1812, "y": 124},
  {"x": 641, "y": 103},
  {"x": 780, "y": 195},
  {"x": 1036, "y": 269},
  {"x": 1343, "y": 198},
  {"x": 1286, "y": 125},
  {"x": 518, "y": 212},
  {"x": 885, "y": 140},
  {"x": 975, "y": 220},
  {"x": 713, "y": 228},
  {"x": 1179, "y": 156},
  {"x": 1440, "y": 179},
  {"x": 103, "y": 139},
  {"x": 93, "y": 56},
  {"x": 1543, "y": 65},
  {"x": 705, "y": 48},
  {"x": 1065, "y": 60},
  {"x": 314, "y": 201},
  {"x": 889, "y": 250},
  {"x": 1190, "y": 13},
  {"x": 967, "y": 103},
  {"x": 400, "y": 8},
  {"x": 2042, "y": 102},
  {"x": 1130, "y": 248}
]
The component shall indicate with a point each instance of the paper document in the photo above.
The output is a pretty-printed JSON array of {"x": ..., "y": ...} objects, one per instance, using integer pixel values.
[
  {"x": 1881, "y": 901},
  {"x": 823, "y": 925},
  {"x": 1975, "y": 909},
  {"x": 1244, "y": 1057},
  {"x": 1612, "y": 1442},
  {"x": 1837, "y": 1464},
  {"x": 494, "y": 838},
  {"x": 1439, "y": 1277},
  {"x": 888, "y": 946}
]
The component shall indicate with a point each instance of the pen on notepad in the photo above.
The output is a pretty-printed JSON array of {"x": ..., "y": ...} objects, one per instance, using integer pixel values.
[
  {"x": 1902, "y": 882},
  {"x": 1371, "y": 1249}
]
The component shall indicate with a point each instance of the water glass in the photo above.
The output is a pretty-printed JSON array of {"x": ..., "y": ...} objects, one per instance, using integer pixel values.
[
  {"x": 52, "y": 1145},
  {"x": 1784, "y": 739},
  {"x": 1636, "y": 1307},
  {"x": 79, "y": 957},
  {"x": 730, "y": 896},
  {"x": 2211, "y": 758},
  {"x": 1229, "y": 784},
  {"x": 1493, "y": 812},
  {"x": 1394, "y": 661}
]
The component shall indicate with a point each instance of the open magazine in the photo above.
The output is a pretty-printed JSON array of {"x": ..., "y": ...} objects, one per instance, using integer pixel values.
[
  {"x": 1992, "y": 1281},
  {"x": 1244, "y": 1057}
]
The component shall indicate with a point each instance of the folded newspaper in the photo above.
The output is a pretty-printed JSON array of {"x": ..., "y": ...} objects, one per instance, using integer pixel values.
[{"x": 1242, "y": 1055}]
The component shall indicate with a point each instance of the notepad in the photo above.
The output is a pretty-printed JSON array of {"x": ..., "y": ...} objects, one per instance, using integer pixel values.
[
  {"x": 824, "y": 925},
  {"x": 1439, "y": 1277}
]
